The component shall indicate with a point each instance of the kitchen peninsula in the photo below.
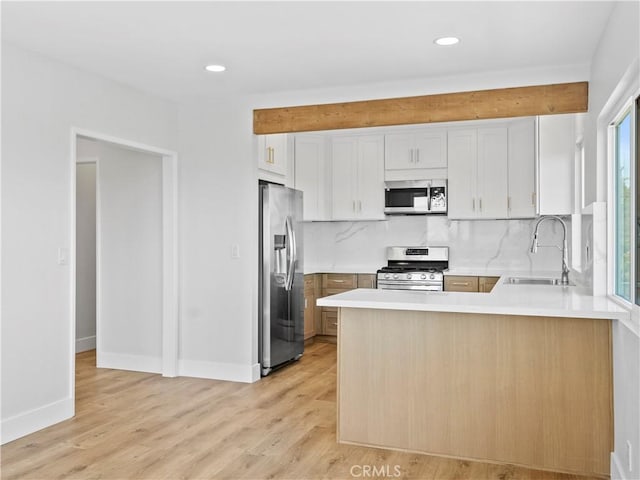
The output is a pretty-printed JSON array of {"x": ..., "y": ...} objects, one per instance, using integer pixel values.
[{"x": 521, "y": 375}]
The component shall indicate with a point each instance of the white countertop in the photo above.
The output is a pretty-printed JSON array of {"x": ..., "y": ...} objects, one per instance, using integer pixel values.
[
  {"x": 505, "y": 299},
  {"x": 341, "y": 269}
]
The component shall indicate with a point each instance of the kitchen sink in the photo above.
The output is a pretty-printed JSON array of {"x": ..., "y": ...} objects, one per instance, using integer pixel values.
[{"x": 535, "y": 281}]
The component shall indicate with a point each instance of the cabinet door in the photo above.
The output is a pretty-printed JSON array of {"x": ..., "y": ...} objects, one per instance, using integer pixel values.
[
  {"x": 492, "y": 173},
  {"x": 522, "y": 161},
  {"x": 430, "y": 149},
  {"x": 309, "y": 171},
  {"x": 455, "y": 283},
  {"x": 329, "y": 323},
  {"x": 556, "y": 150},
  {"x": 272, "y": 153},
  {"x": 370, "y": 171},
  {"x": 344, "y": 159},
  {"x": 309, "y": 315},
  {"x": 486, "y": 284},
  {"x": 462, "y": 150},
  {"x": 366, "y": 280},
  {"x": 398, "y": 151}
]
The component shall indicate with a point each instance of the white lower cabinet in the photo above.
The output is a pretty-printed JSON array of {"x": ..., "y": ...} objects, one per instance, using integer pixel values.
[
  {"x": 310, "y": 175},
  {"x": 357, "y": 177}
]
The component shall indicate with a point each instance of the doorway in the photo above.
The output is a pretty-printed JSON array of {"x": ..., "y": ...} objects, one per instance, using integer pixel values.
[{"x": 125, "y": 257}]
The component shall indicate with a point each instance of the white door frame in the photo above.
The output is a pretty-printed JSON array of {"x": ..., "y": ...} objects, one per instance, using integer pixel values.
[{"x": 169, "y": 248}]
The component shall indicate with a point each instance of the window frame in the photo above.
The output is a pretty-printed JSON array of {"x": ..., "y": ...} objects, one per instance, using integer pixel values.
[{"x": 629, "y": 105}]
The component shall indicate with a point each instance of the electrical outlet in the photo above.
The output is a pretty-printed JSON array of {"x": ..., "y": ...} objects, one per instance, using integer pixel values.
[
  {"x": 63, "y": 256},
  {"x": 235, "y": 251},
  {"x": 629, "y": 456}
]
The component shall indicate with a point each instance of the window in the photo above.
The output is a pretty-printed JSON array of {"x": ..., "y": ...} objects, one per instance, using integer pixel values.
[
  {"x": 626, "y": 205},
  {"x": 623, "y": 222}
]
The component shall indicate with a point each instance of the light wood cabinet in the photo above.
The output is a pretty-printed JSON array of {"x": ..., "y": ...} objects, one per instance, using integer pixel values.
[
  {"x": 478, "y": 386},
  {"x": 457, "y": 283},
  {"x": 357, "y": 166},
  {"x": 366, "y": 280},
  {"x": 414, "y": 155},
  {"x": 272, "y": 153},
  {"x": 310, "y": 297},
  {"x": 310, "y": 175},
  {"x": 326, "y": 318},
  {"x": 460, "y": 283},
  {"x": 330, "y": 322},
  {"x": 339, "y": 281},
  {"x": 486, "y": 284}
]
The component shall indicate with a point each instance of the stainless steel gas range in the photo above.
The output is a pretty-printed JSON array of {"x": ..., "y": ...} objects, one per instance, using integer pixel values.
[{"x": 414, "y": 268}]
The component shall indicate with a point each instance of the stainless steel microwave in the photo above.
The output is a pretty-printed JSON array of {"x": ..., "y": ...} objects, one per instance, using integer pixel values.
[{"x": 415, "y": 197}]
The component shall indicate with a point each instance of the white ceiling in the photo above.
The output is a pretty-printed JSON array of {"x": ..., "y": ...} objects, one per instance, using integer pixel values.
[{"x": 162, "y": 47}]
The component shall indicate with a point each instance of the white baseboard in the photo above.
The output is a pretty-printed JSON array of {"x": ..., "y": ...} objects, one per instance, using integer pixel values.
[
  {"x": 36, "y": 419},
  {"x": 123, "y": 361},
  {"x": 219, "y": 371},
  {"x": 85, "y": 343},
  {"x": 617, "y": 472}
]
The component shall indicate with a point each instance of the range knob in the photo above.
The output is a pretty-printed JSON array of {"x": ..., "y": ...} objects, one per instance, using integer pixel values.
[
  {"x": 386, "y": 275},
  {"x": 395, "y": 275},
  {"x": 432, "y": 276},
  {"x": 423, "y": 276},
  {"x": 408, "y": 276}
]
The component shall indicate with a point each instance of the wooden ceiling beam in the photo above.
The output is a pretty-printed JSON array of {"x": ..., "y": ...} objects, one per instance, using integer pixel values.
[{"x": 446, "y": 107}]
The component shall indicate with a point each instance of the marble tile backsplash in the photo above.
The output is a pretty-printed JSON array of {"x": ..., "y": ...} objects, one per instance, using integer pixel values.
[{"x": 473, "y": 244}]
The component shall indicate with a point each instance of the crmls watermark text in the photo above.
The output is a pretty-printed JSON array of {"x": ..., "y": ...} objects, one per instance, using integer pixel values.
[{"x": 371, "y": 471}]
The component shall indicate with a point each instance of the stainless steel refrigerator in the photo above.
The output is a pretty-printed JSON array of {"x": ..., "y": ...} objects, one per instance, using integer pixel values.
[{"x": 281, "y": 292}]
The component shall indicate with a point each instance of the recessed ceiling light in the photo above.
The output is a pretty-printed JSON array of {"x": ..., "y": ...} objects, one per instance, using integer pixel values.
[
  {"x": 215, "y": 68},
  {"x": 446, "y": 41}
]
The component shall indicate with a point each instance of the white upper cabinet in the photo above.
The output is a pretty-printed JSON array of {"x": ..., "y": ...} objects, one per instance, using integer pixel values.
[
  {"x": 478, "y": 173},
  {"x": 491, "y": 170},
  {"x": 272, "y": 154},
  {"x": 491, "y": 173},
  {"x": 522, "y": 183},
  {"x": 416, "y": 155},
  {"x": 357, "y": 173},
  {"x": 462, "y": 165},
  {"x": 310, "y": 174},
  {"x": 555, "y": 160}
]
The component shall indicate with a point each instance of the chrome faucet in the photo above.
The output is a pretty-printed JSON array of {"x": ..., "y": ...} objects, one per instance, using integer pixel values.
[{"x": 564, "y": 279}]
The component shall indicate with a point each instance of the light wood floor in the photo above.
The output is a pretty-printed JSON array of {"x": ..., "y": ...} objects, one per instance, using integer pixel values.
[{"x": 140, "y": 426}]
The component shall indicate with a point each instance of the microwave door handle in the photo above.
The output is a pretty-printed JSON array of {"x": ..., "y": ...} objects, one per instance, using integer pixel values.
[
  {"x": 291, "y": 247},
  {"x": 429, "y": 199}
]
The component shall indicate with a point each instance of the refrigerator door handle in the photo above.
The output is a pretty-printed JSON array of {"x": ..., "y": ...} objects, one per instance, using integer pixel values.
[{"x": 291, "y": 238}]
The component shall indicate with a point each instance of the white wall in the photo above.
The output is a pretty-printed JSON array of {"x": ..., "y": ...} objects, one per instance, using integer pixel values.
[
  {"x": 618, "y": 50},
  {"x": 41, "y": 100},
  {"x": 130, "y": 259},
  {"x": 218, "y": 208},
  {"x": 85, "y": 256}
]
